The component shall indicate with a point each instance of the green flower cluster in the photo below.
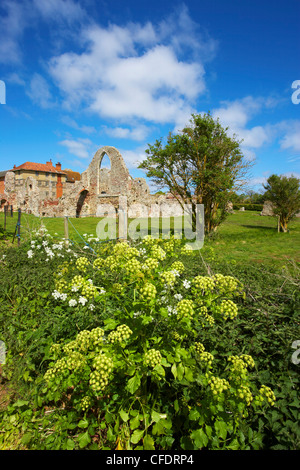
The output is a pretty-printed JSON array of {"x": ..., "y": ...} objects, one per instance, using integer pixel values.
[
  {"x": 61, "y": 285},
  {"x": 99, "y": 378},
  {"x": 75, "y": 360},
  {"x": 228, "y": 309},
  {"x": 218, "y": 385},
  {"x": 86, "y": 403},
  {"x": 205, "y": 358},
  {"x": 124, "y": 250},
  {"x": 203, "y": 283},
  {"x": 185, "y": 308},
  {"x": 150, "y": 264},
  {"x": 122, "y": 333},
  {"x": 227, "y": 284},
  {"x": 60, "y": 369},
  {"x": 207, "y": 319},
  {"x": 112, "y": 262},
  {"x": 157, "y": 252},
  {"x": 176, "y": 336},
  {"x": 152, "y": 358},
  {"x": 265, "y": 394},
  {"x": 239, "y": 365},
  {"x": 99, "y": 263},
  {"x": 148, "y": 292},
  {"x": 133, "y": 266},
  {"x": 89, "y": 290},
  {"x": 198, "y": 347},
  {"x": 187, "y": 250},
  {"x": 149, "y": 241},
  {"x": 168, "y": 278},
  {"x": 86, "y": 340},
  {"x": 245, "y": 394},
  {"x": 77, "y": 281},
  {"x": 82, "y": 263},
  {"x": 178, "y": 266}
]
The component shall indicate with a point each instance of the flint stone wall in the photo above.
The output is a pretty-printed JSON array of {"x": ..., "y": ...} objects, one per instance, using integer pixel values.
[{"x": 97, "y": 190}]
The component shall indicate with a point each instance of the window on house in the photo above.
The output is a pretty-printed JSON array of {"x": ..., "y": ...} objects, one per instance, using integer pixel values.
[{"x": 36, "y": 173}]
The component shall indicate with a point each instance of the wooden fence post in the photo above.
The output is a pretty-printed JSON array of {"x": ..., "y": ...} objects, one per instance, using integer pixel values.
[
  {"x": 19, "y": 226},
  {"x": 66, "y": 231},
  {"x": 5, "y": 212}
]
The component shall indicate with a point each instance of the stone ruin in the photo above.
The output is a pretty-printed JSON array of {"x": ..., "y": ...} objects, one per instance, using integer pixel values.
[
  {"x": 97, "y": 190},
  {"x": 268, "y": 209}
]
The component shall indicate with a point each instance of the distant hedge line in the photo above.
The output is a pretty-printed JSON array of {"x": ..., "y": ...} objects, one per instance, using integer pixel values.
[{"x": 248, "y": 207}]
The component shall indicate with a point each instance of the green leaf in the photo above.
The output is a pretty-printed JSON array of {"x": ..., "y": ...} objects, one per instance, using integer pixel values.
[
  {"x": 70, "y": 444},
  {"x": 124, "y": 415},
  {"x": 221, "y": 428},
  {"x": 200, "y": 438},
  {"x": 155, "y": 416},
  {"x": 148, "y": 443},
  {"x": 20, "y": 403},
  {"x": 133, "y": 383},
  {"x": 180, "y": 371},
  {"x": 83, "y": 423},
  {"x": 194, "y": 414},
  {"x": 234, "y": 445},
  {"x": 137, "y": 435},
  {"x": 174, "y": 370},
  {"x": 188, "y": 374},
  {"x": 160, "y": 370},
  {"x": 26, "y": 438},
  {"x": 134, "y": 422},
  {"x": 84, "y": 440}
]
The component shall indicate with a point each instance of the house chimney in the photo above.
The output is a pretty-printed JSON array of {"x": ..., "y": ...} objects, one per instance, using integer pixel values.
[{"x": 58, "y": 166}]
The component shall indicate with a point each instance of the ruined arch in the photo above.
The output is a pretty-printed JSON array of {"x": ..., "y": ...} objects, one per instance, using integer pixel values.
[
  {"x": 118, "y": 178},
  {"x": 80, "y": 201},
  {"x": 3, "y": 202}
]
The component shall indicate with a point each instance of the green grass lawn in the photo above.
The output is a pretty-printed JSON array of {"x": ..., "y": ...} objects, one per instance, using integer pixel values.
[{"x": 245, "y": 237}]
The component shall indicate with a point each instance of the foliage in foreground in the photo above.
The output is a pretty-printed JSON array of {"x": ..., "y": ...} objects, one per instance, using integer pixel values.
[{"x": 130, "y": 358}]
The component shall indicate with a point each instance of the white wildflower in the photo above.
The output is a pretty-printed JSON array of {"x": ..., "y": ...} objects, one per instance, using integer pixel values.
[
  {"x": 186, "y": 284},
  {"x": 72, "y": 303},
  {"x": 82, "y": 300}
]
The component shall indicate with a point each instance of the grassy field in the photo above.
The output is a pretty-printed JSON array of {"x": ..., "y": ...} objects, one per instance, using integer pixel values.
[
  {"x": 243, "y": 237},
  {"x": 246, "y": 246}
]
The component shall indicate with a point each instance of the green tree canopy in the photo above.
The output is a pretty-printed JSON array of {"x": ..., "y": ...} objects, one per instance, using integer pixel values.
[
  {"x": 200, "y": 165},
  {"x": 284, "y": 193}
]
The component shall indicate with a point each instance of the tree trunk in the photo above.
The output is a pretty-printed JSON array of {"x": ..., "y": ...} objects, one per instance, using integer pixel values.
[{"x": 283, "y": 224}]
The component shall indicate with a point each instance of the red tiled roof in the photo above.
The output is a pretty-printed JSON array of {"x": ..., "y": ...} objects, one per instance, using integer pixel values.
[{"x": 44, "y": 167}]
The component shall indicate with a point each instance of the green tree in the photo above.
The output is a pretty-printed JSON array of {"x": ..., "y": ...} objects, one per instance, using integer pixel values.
[
  {"x": 200, "y": 165},
  {"x": 284, "y": 193}
]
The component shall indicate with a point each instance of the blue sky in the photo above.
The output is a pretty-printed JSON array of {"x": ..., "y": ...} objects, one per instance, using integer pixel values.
[{"x": 83, "y": 74}]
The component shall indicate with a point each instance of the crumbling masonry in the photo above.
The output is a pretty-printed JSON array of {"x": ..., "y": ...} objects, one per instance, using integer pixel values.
[{"x": 89, "y": 195}]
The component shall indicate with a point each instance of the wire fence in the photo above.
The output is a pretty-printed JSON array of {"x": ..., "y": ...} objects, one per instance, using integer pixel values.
[{"x": 17, "y": 226}]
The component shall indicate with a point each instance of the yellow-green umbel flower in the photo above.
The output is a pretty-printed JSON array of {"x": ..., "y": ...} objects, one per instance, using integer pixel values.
[
  {"x": 82, "y": 263},
  {"x": 122, "y": 333},
  {"x": 185, "y": 308},
  {"x": 228, "y": 309},
  {"x": 152, "y": 358},
  {"x": 148, "y": 292}
]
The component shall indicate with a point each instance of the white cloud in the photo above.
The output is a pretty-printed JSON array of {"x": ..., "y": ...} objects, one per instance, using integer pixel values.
[
  {"x": 133, "y": 158},
  {"x": 12, "y": 25},
  {"x": 132, "y": 72},
  {"x": 39, "y": 92},
  {"x": 79, "y": 148},
  {"x": 57, "y": 10},
  {"x": 138, "y": 133},
  {"x": 291, "y": 139},
  {"x": 72, "y": 123},
  {"x": 236, "y": 116}
]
